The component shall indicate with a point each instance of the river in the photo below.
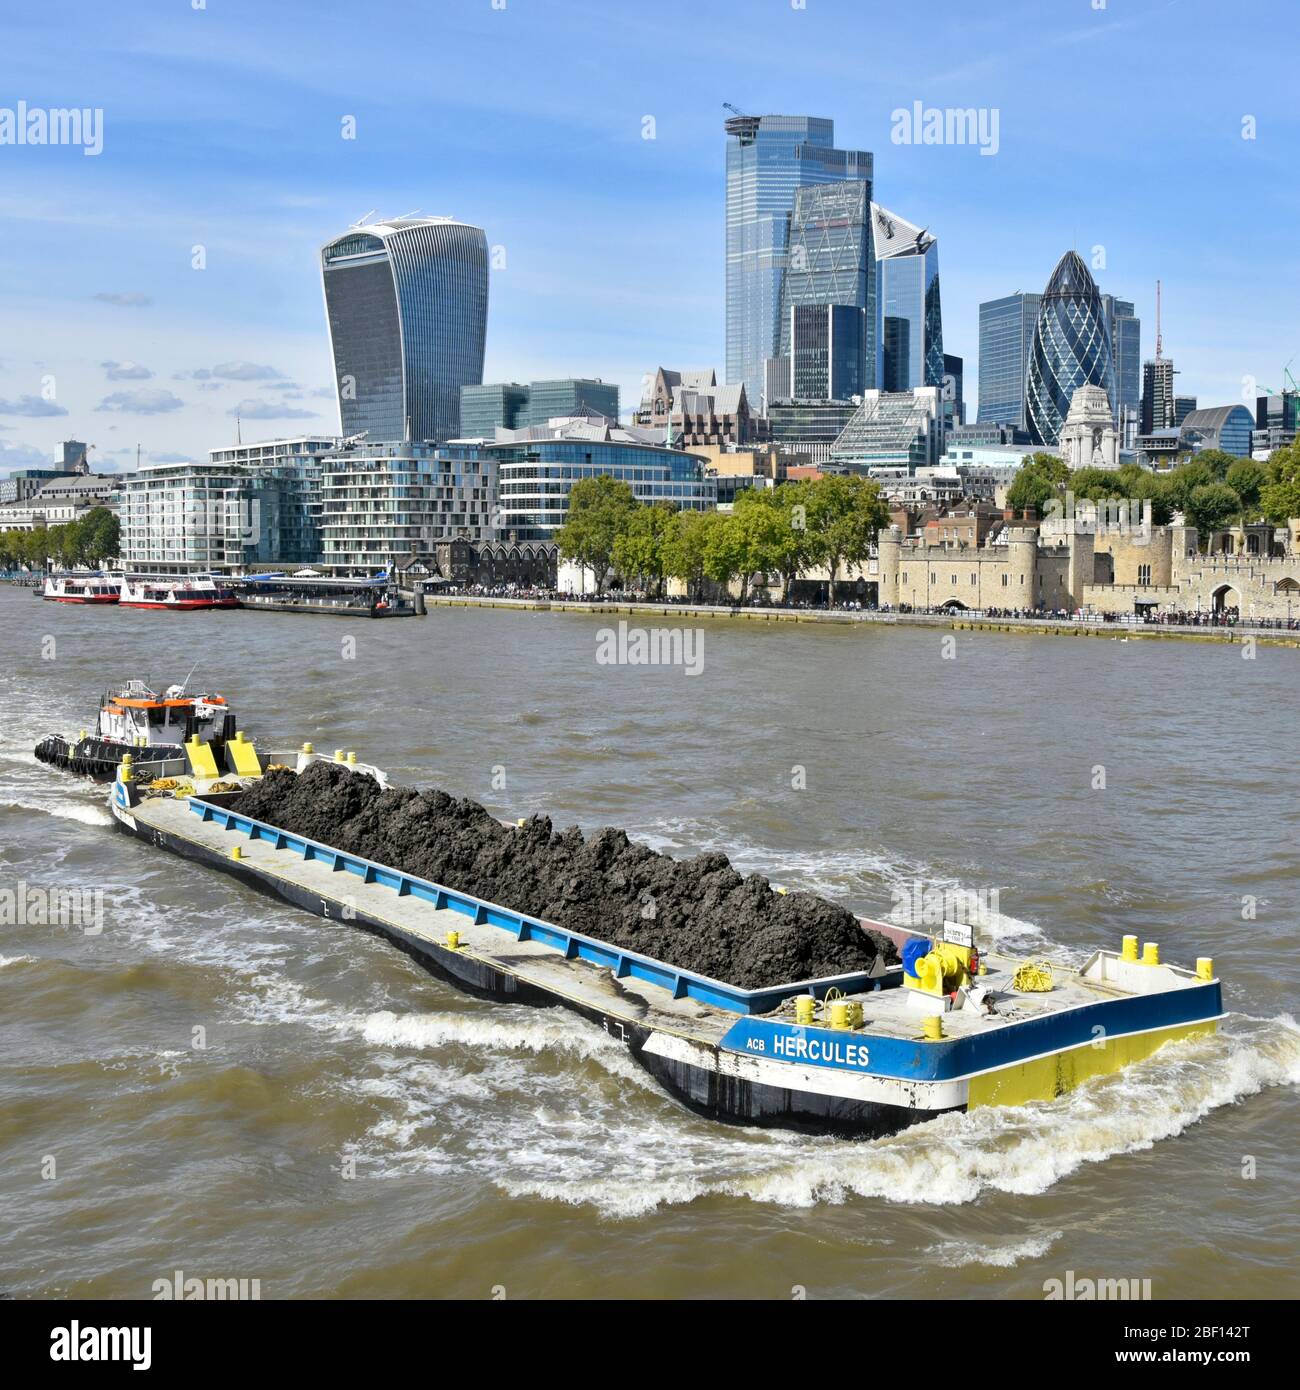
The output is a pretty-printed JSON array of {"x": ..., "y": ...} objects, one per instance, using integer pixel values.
[{"x": 503, "y": 1151}]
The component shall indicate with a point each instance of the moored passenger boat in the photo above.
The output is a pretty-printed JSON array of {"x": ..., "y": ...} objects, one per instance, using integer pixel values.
[
  {"x": 82, "y": 588},
  {"x": 176, "y": 593}
]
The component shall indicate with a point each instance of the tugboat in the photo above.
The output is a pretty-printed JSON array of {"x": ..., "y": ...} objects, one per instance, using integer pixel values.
[
  {"x": 164, "y": 733},
  {"x": 183, "y": 593},
  {"x": 81, "y": 588}
]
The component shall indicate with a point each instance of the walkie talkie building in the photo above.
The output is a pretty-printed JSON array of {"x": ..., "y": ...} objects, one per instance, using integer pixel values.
[
  {"x": 1071, "y": 348},
  {"x": 406, "y": 302}
]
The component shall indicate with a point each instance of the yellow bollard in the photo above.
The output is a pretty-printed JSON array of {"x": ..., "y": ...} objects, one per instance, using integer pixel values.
[
  {"x": 1129, "y": 951},
  {"x": 352, "y": 758},
  {"x": 932, "y": 1027},
  {"x": 804, "y": 1005},
  {"x": 126, "y": 773},
  {"x": 1204, "y": 968},
  {"x": 307, "y": 748},
  {"x": 338, "y": 755},
  {"x": 453, "y": 940},
  {"x": 236, "y": 852},
  {"x": 1150, "y": 953},
  {"x": 839, "y": 1013}
]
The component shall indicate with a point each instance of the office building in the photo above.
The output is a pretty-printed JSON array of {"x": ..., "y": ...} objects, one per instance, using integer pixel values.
[
  {"x": 827, "y": 351},
  {"x": 406, "y": 303},
  {"x": 909, "y": 314},
  {"x": 659, "y": 390},
  {"x": 537, "y": 467},
  {"x": 1183, "y": 407},
  {"x": 1126, "y": 345},
  {"x": 1226, "y": 427},
  {"x": 565, "y": 397},
  {"x": 492, "y": 406},
  {"x": 768, "y": 159},
  {"x": 1275, "y": 422},
  {"x": 1006, "y": 337},
  {"x": 1158, "y": 395},
  {"x": 954, "y": 406},
  {"x": 1071, "y": 348},
  {"x": 894, "y": 430},
  {"x": 830, "y": 262}
]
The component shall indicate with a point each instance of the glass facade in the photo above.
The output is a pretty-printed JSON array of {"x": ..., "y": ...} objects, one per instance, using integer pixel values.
[
  {"x": 495, "y": 405},
  {"x": 535, "y": 477},
  {"x": 550, "y": 400},
  {"x": 1226, "y": 427},
  {"x": 809, "y": 422},
  {"x": 831, "y": 262},
  {"x": 1126, "y": 344},
  {"x": 406, "y": 303},
  {"x": 907, "y": 293},
  {"x": 896, "y": 431},
  {"x": 1071, "y": 348},
  {"x": 827, "y": 358},
  {"x": 768, "y": 159},
  {"x": 1006, "y": 336}
]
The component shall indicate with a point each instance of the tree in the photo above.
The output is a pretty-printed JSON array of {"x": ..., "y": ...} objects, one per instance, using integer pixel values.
[
  {"x": 685, "y": 546},
  {"x": 726, "y": 551},
  {"x": 1211, "y": 506},
  {"x": 845, "y": 514},
  {"x": 638, "y": 550},
  {"x": 1182, "y": 481},
  {"x": 598, "y": 512},
  {"x": 1279, "y": 498},
  {"x": 1247, "y": 478},
  {"x": 1030, "y": 489},
  {"x": 1217, "y": 461},
  {"x": 773, "y": 527}
]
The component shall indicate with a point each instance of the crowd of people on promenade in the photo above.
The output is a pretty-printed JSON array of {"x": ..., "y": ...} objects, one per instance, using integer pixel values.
[{"x": 1227, "y": 617}]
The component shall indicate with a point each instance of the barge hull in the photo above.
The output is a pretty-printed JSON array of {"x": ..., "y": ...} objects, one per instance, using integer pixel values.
[{"x": 696, "y": 1072}]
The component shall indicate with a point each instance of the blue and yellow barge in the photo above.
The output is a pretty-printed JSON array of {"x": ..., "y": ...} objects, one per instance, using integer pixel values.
[{"x": 950, "y": 1029}]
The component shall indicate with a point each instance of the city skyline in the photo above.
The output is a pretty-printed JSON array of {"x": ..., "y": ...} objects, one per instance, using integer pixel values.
[{"x": 607, "y": 274}]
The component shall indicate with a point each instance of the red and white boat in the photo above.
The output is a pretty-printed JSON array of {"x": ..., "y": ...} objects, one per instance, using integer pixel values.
[
  {"x": 197, "y": 591},
  {"x": 81, "y": 588}
]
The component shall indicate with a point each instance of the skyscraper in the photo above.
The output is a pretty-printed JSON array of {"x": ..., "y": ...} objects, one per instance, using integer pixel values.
[
  {"x": 1006, "y": 336},
  {"x": 1071, "y": 348},
  {"x": 406, "y": 302},
  {"x": 1158, "y": 410},
  {"x": 909, "y": 313},
  {"x": 830, "y": 262},
  {"x": 768, "y": 158},
  {"x": 1126, "y": 345}
]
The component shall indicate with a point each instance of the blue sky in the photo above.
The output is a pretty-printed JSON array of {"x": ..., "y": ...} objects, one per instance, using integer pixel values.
[{"x": 1120, "y": 127}]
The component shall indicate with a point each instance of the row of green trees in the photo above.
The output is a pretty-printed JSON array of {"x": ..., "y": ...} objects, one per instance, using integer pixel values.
[
  {"x": 776, "y": 532},
  {"x": 1212, "y": 489},
  {"x": 90, "y": 540}
]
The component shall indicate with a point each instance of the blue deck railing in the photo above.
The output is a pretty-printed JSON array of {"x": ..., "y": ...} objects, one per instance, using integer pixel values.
[{"x": 681, "y": 984}]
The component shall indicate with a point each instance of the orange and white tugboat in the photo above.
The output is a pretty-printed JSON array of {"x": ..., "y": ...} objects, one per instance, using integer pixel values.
[
  {"x": 179, "y": 593},
  {"x": 159, "y": 731},
  {"x": 82, "y": 588}
]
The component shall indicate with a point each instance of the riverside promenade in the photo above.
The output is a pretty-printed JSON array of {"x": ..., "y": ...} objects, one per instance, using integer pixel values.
[{"x": 962, "y": 620}]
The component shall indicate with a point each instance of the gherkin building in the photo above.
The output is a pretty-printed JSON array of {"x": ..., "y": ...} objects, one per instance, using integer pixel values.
[{"x": 1071, "y": 348}]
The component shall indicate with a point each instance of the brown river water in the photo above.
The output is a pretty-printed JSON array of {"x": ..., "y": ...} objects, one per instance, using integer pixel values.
[{"x": 517, "y": 1152}]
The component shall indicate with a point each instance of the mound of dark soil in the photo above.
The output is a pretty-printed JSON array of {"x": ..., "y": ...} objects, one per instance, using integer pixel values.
[{"x": 697, "y": 914}]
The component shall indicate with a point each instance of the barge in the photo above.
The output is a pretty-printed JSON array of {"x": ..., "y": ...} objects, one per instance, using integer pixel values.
[{"x": 950, "y": 1029}]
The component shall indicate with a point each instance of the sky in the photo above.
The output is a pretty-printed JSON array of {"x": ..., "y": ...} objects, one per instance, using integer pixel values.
[{"x": 153, "y": 292}]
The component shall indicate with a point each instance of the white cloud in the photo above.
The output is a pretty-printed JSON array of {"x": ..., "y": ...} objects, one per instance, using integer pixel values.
[
  {"x": 251, "y": 409},
  {"x": 131, "y": 300},
  {"x": 31, "y": 406},
  {"x": 126, "y": 371},
  {"x": 151, "y": 401},
  {"x": 23, "y": 456},
  {"x": 234, "y": 371}
]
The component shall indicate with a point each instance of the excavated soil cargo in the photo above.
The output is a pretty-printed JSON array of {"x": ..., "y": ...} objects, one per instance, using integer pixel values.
[{"x": 696, "y": 914}]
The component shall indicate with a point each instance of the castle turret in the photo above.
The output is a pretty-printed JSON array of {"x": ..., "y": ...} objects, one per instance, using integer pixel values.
[
  {"x": 889, "y": 547},
  {"x": 1022, "y": 567}
]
